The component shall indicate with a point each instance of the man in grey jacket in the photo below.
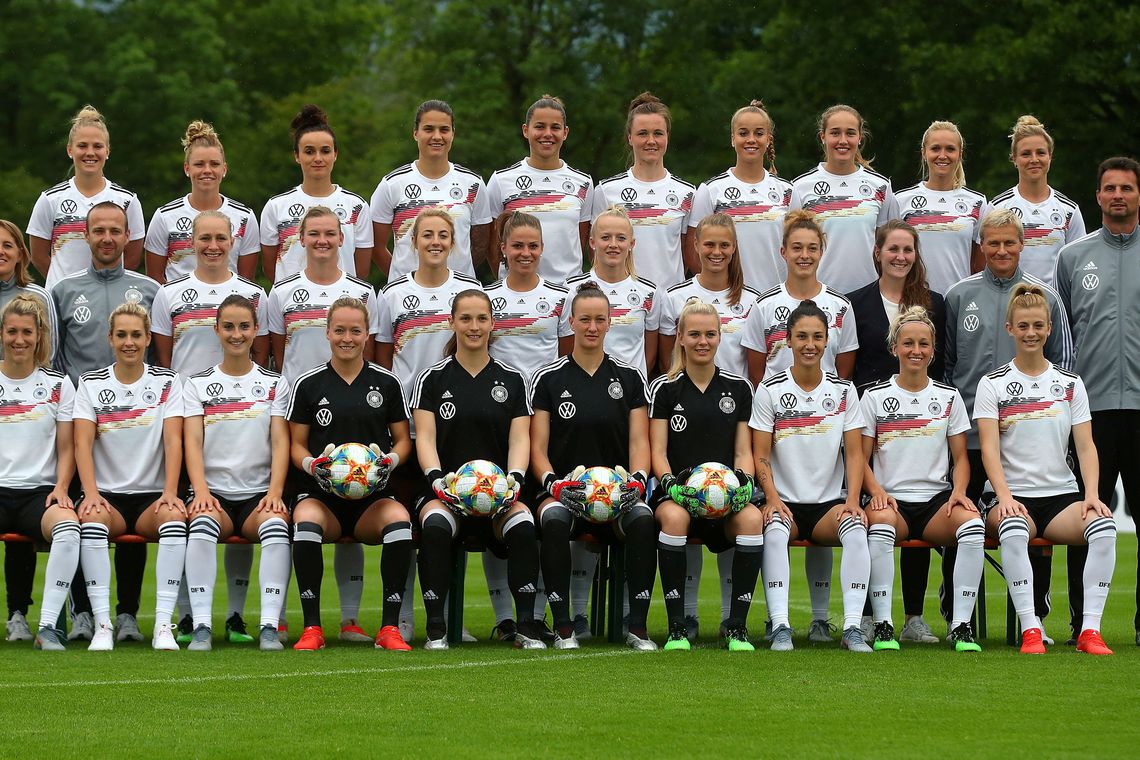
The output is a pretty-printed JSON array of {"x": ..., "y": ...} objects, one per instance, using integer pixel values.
[
  {"x": 977, "y": 343},
  {"x": 1098, "y": 279},
  {"x": 83, "y": 303}
]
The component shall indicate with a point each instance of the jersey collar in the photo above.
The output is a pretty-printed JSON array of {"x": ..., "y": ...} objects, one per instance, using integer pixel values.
[{"x": 108, "y": 275}]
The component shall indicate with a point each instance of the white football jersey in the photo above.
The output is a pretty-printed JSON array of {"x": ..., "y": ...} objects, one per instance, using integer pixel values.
[
  {"x": 659, "y": 212},
  {"x": 911, "y": 432},
  {"x": 60, "y": 217},
  {"x": 414, "y": 320},
  {"x": 235, "y": 414},
  {"x": 807, "y": 434},
  {"x": 281, "y": 227},
  {"x": 758, "y": 211},
  {"x": 850, "y": 207},
  {"x": 129, "y": 453},
  {"x": 403, "y": 194},
  {"x": 1049, "y": 226},
  {"x": 948, "y": 224},
  {"x": 730, "y": 355},
  {"x": 186, "y": 309},
  {"x": 30, "y": 409},
  {"x": 1035, "y": 415},
  {"x": 528, "y": 325},
  {"x": 298, "y": 309},
  {"x": 766, "y": 329},
  {"x": 634, "y": 311},
  {"x": 171, "y": 234},
  {"x": 561, "y": 199}
]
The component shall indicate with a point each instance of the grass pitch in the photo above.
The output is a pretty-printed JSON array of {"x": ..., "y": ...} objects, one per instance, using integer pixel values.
[{"x": 486, "y": 700}]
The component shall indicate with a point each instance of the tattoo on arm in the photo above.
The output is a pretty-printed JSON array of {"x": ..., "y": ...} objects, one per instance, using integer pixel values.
[{"x": 763, "y": 471}]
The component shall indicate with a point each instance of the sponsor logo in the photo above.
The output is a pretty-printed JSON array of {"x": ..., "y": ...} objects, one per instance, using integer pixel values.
[
  {"x": 412, "y": 191},
  {"x": 499, "y": 304},
  {"x": 184, "y": 224},
  {"x": 788, "y": 401},
  {"x": 447, "y": 410},
  {"x": 324, "y": 417},
  {"x": 1090, "y": 282},
  {"x": 732, "y": 193},
  {"x": 891, "y": 404},
  {"x": 821, "y": 188},
  {"x": 107, "y": 396},
  {"x": 918, "y": 201},
  {"x": 81, "y": 314},
  {"x": 190, "y": 295},
  {"x": 1014, "y": 389},
  {"x": 971, "y": 323},
  {"x": 300, "y": 295},
  {"x": 213, "y": 390},
  {"x": 678, "y": 423},
  {"x": 68, "y": 207},
  {"x": 566, "y": 410},
  {"x": 629, "y": 194},
  {"x": 296, "y": 210},
  {"x": 727, "y": 404},
  {"x": 782, "y": 313},
  {"x": 522, "y": 183},
  {"x": 411, "y": 302}
]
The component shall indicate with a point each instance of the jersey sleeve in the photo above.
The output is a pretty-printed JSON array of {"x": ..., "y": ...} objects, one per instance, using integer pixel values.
[
  {"x": 599, "y": 200},
  {"x": 667, "y": 317},
  {"x": 702, "y": 204},
  {"x": 373, "y": 305},
  {"x": 275, "y": 312},
  {"x": 763, "y": 413},
  {"x": 744, "y": 408},
  {"x": 653, "y": 313},
  {"x": 796, "y": 201},
  {"x": 383, "y": 319},
  {"x": 520, "y": 403},
  {"x": 269, "y": 226},
  {"x": 638, "y": 393},
  {"x": 282, "y": 394},
  {"x": 870, "y": 420},
  {"x": 136, "y": 223},
  {"x": 752, "y": 334},
  {"x": 423, "y": 394},
  {"x": 658, "y": 400},
  {"x": 959, "y": 420},
  {"x": 160, "y": 314},
  {"x": 1059, "y": 345},
  {"x": 564, "y": 330},
  {"x": 494, "y": 195},
  {"x": 41, "y": 222},
  {"x": 362, "y": 230},
  {"x": 985, "y": 401},
  {"x": 848, "y": 332},
  {"x": 191, "y": 400},
  {"x": 1079, "y": 406},
  {"x": 157, "y": 236},
  {"x": 381, "y": 205},
  {"x": 1076, "y": 228},
  {"x": 587, "y": 210},
  {"x": 262, "y": 309},
  {"x": 83, "y": 409},
  {"x": 890, "y": 208},
  {"x": 397, "y": 404},
  {"x": 540, "y": 395},
  {"x": 65, "y": 411},
  {"x": 251, "y": 240},
  {"x": 481, "y": 208},
  {"x": 174, "y": 406},
  {"x": 299, "y": 403},
  {"x": 853, "y": 414}
]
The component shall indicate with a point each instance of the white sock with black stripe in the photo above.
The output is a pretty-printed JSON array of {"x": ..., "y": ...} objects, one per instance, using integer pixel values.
[
  {"x": 95, "y": 556},
  {"x": 1013, "y": 534},
  {"x": 854, "y": 570},
  {"x": 968, "y": 568},
  {"x": 777, "y": 571},
  {"x": 1101, "y": 536},
  {"x": 274, "y": 568},
  {"x": 62, "y": 561},
  {"x": 881, "y": 549},
  {"x": 202, "y": 567},
  {"x": 168, "y": 565}
]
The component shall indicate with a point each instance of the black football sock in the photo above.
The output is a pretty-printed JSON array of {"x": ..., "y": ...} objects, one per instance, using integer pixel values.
[
  {"x": 640, "y": 565},
  {"x": 309, "y": 567},
  {"x": 673, "y": 562},
  {"x": 522, "y": 563},
  {"x": 396, "y": 539},
  {"x": 435, "y": 560},
  {"x": 130, "y": 567},
  {"x": 555, "y": 558},
  {"x": 745, "y": 568},
  {"x": 914, "y": 567},
  {"x": 19, "y": 576}
]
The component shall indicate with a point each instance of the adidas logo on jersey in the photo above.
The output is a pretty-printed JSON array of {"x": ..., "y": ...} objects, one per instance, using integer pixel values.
[
  {"x": 913, "y": 401},
  {"x": 433, "y": 298},
  {"x": 1089, "y": 267},
  {"x": 323, "y": 402},
  {"x": 82, "y": 299},
  {"x": 446, "y": 394},
  {"x": 678, "y": 408},
  {"x": 565, "y": 394},
  {"x": 429, "y": 596},
  {"x": 307, "y": 594},
  {"x": 972, "y": 307},
  {"x": 941, "y": 200},
  {"x": 213, "y": 292},
  {"x": 843, "y": 184},
  {"x": 673, "y": 594}
]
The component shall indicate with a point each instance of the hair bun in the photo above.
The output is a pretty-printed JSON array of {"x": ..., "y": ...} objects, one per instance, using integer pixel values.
[{"x": 310, "y": 116}]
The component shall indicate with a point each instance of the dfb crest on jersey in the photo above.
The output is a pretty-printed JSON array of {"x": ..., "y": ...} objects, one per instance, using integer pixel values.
[
  {"x": 615, "y": 390},
  {"x": 961, "y": 207},
  {"x": 891, "y": 404},
  {"x": 324, "y": 417},
  {"x": 737, "y": 308},
  {"x": 106, "y": 396},
  {"x": 628, "y": 194},
  {"x": 727, "y": 404},
  {"x": 341, "y": 213},
  {"x": 296, "y": 210},
  {"x": 828, "y": 404},
  {"x": 213, "y": 390},
  {"x": 68, "y": 207},
  {"x": 918, "y": 201},
  {"x": 499, "y": 393},
  {"x": 1057, "y": 390},
  {"x": 456, "y": 193},
  {"x": 374, "y": 399},
  {"x": 678, "y": 423},
  {"x": 133, "y": 295},
  {"x": 542, "y": 307},
  {"x": 412, "y": 191},
  {"x": 447, "y": 410},
  {"x": 522, "y": 183},
  {"x": 865, "y": 190},
  {"x": 971, "y": 323},
  {"x": 821, "y": 188},
  {"x": 1056, "y": 219},
  {"x": 566, "y": 410},
  {"x": 672, "y": 199},
  {"x": 935, "y": 408},
  {"x": 149, "y": 397},
  {"x": 499, "y": 304},
  {"x": 774, "y": 196},
  {"x": 190, "y": 295},
  {"x": 1014, "y": 389},
  {"x": 300, "y": 295},
  {"x": 40, "y": 393},
  {"x": 257, "y": 391},
  {"x": 633, "y": 299},
  {"x": 788, "y": 401},
  {"x": 732, "y": 193},
  {"x": 411, "y": 302},
  {"x": 568, "y": 187},
  {"x": 81, "y": 314}
]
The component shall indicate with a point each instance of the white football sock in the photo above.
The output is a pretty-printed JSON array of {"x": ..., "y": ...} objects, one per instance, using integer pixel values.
[
  {"x": 202, "y": 567},
  {"x": 95, "y": 555},
  {"x": 968, "y": 567},
  {"x": 495, "y": 571},
  {"x": 348, "y": 566},
  {"x": 1101, "y": 535},
  {"x": 168, "y": 566},
  {"x": 238, "y": 561},
  {"x": 881, "y": 547},
  {"x": 62, "y": 561},
  {"x": 1013, "y": 534},
  {"x": 854, "y": 570},
  {"x": 777, "y": 571},
  {"x": 694, "y": 564},
  {"x": 724, "y": 572},
  {"x": 273, "y": 570},
  {"x": 817, "y": 567},
  {"x": 583, "y": 564}
]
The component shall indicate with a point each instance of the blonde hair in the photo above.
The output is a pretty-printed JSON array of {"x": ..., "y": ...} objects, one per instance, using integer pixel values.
[
  {"x": 757, "y": 106},
  {"x": 212, "y": 215},
  {"x": 21, "y": 275},
  {"x": 864, "y": 133},
  {"x": 436, "y": 212},
  {"x": 315, "y": 213},
  {"x": 910, "y": 315},
  {"x": 88, "y": 117},
  {"x": 692, "y": 308},
  {"x": 200, "y": 134},
  {"x": 1001, "y": 217},
  {"x": 25, "y": 305},
  {"x": 1028, "y": 126},
  {"x": 960, "y": 170},
  {"x": 620, "y": 212},
  {"x": 735, "y": 269},
  {"x": 346, "y": 302},
  {"x": 1027, "y": 296},
  {"x": 129, "y": 309}
]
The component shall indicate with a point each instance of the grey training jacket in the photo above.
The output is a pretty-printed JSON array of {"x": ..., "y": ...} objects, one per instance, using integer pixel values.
[{"x": 1098, "y": 279}]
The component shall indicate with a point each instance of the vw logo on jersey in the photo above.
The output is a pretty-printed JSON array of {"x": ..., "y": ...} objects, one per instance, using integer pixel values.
[
  {"x": 672, "y": 199},
  {"x": 788, "y": 401},
  {"x": 1090, "y": 281},
  {"x": 498, "y": 304},
  {"x": 412, "y": 191},
  {"x": 81, "y": 314},
  {"x": 296, "y": 210},
  {"x": 257, "y": 391},
  {"x": 447, "y": 410},
  {"x": 615, "y": 390},
  {"x": 499, "y": 393},
  {"x": 132, "y": 295},
  {"x": 189, "y": 295},
  {"x": 456, "y": 193},
  {"x": 40, "y": 393},
  {"x": 727, "y": 404},
  {"x": 106, "y": 396},
  {"x": 677, "y": 423},
  {"x": 821, "y": 188},
  {"x": 300, "y": 295},
  {"x": 68, "y": 207},
  {"x": 828, "y": 404},
  {"x": 782, "y": 313},
  {"x": 918, "y": 201},
  {"x": 522, "y": 183},
  {"x": 1057, "y": 390},
  {"x": 935, "y": 408},
  {"x": 1014, "y": 389},
  {"x": 149, "y": 397},
  {"x": 628, "y": 194},
  {"x": 566, "y": 410},
  {"x": 971, "y": 323},
  {"x": 324, "y": 417},
  {"x": 341, "y": 213},
  {"x": 1016, "y": 211},
  {"x": 961, "y": 207},
  {"x": 568, "y": 187},
  {"x": 411, "y": 302},
  {"x": 184, "y": 224},
  {"x": 732, "y": 193},
  {"x": 633, "y": 299},
  {"x": 866, "y": 191},
  {"x": 891, "y": 404},
  {"x": 1056, "y": 219},
  {"x": 1, "y": 391},
  {"x": 374, "y": 399},
  {"x": 213, "y": 390},
  {"x": 542, "y": 307}
]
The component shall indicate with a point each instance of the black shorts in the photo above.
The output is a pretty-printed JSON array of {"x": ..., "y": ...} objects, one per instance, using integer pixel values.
[
  {"x": 347, "y": 512},
  {"x": 21, "y": 511},
  {"x": 710, "y": 532},
  {"x": 1044, "y": 508},
  {"x": 238, "y": 510},
  {"x": 917, "y": 514},
  {"x": 131, "y": 506},
  {"x": 807, "y": 516},
  {"x": 469, "y": 529}
]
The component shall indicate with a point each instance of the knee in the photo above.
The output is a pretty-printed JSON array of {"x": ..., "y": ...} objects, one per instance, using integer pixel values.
[
  {"x": 555, "y": 520},
  {"x": 1102, "y": 530},
  {"x": 672, "y": 518},
  {"x": 852, "y": 533},
  {"x": 776, "y": 534},
  {"x": 748, "y": 520}
]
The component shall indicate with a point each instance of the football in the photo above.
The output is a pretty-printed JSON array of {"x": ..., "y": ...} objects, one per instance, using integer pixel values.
[
  {"x": 602, "y": 497},
  {"x": 353, "y": 471},
  {"x": 480, "y": 487},
  {"x": 715, "y": 483}
]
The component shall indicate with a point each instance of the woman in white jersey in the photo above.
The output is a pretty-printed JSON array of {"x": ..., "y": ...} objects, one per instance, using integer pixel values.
[
  {"x": 807, "y": 436},
  {"x": 946, "y": 214},
  {"x": 1050, "y": 219},
  {"x": 59, "y": 218},
  {"x": 169, "y": 244},
  {"x": 315, "y": 151},
  {"x": 658, "y": 202},
  {"x": 634, "y": 309},
  {"x": 237, "y": 455},
  {"x": 297, "y": 315},
  {"x": 431, "y": 180},
  {"x": 1026, "y": 412},
  {"x": 37, "y": 460},
  {"x": 128, "y": 452},
  {"x": 752, "y": 195},
  {"x": 849, "y": 198},
  {"x": 911, "y": 421},
  {"x": 765, "y": 335},
  {"x": 544, "y": 185}
]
